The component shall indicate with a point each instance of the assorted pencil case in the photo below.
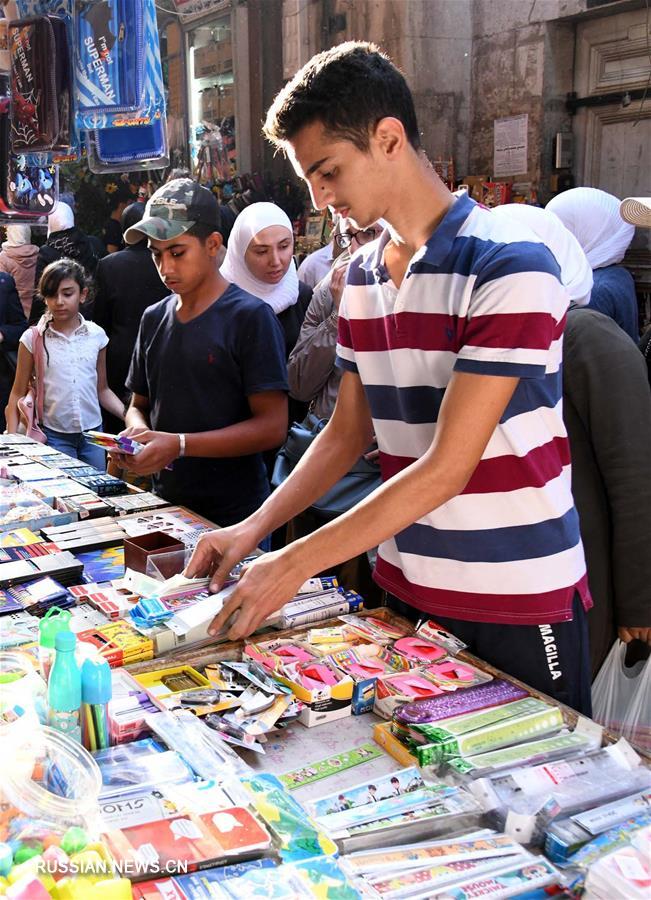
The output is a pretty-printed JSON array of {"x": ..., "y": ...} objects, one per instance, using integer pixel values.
[
  {"x": 40, "y": 116},
  {"x": 110, "y": 56}
]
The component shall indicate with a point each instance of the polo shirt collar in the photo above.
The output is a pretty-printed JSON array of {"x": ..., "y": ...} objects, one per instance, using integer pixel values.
[
  {"x": 82, "y": 328},
  {"x": 440, "y": 241},
  {"x": 436, "y": 247}
]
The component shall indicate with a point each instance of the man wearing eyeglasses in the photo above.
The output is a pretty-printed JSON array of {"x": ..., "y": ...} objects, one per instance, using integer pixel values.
[{"x": 313, "y": 376}]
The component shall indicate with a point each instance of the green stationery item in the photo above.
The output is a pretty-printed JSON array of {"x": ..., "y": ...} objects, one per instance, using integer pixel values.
[
  {"x": 483, "y": 717},
  {"x": 529, "y": 753},
  {"x": 516, "y": 730},
  {"x": 330, "y": 766}
]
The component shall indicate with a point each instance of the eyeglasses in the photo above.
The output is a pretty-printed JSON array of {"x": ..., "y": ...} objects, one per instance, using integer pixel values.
[{"x": 363, "y": 236}]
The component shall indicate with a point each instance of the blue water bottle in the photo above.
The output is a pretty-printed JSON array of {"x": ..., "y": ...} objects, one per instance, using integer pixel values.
[{"x": 64, "y": 688}]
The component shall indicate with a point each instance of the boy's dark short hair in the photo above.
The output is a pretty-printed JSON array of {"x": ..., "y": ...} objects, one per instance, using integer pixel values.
[
  {"x": 202, "y": 231},
  {"x": 348, "y": 89}
]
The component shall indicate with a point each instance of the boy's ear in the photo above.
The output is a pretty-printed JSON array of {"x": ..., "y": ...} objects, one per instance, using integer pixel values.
[
  {"x": 389, "y": 134},
  {"x": 213, "y": 243},
  {"x": 83, "y": 296}
]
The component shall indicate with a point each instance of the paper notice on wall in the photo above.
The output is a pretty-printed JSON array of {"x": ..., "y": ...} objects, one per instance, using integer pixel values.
[{"x": 510, "y": 146}]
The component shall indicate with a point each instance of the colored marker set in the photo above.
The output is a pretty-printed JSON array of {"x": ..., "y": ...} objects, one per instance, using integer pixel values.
[
  {"x": 115, "y": 443},
  {"x": 78, "y": 696}
]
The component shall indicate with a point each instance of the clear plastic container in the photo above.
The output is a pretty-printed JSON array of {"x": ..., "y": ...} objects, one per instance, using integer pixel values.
[{"x": 47, "y": 778}]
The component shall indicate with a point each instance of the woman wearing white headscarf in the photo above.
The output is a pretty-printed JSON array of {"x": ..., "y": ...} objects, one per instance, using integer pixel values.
[
  {"x": 594, "y": 219},
  {"x": 259, "y": 259},
  {"x": 18, "y": 259},
  {"x": 576, "y": 272}
]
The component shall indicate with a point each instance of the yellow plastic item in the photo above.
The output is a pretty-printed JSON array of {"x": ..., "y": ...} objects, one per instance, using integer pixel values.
[
  {"x": 82, "y": 888},
  {"x": 74, "y": 888},
  {"x": 4, "y": 884},
  {"x": 113, "y": 889},
  {"x": 31, "y": 867},
  {"x": 92, "y": 865}
]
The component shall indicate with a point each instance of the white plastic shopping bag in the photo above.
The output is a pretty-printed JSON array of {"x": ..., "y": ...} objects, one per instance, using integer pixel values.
[{"x": 621, "y": 697}]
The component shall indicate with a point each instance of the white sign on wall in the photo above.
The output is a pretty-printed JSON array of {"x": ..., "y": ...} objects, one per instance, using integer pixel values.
[{"x": 510, "y": 146}]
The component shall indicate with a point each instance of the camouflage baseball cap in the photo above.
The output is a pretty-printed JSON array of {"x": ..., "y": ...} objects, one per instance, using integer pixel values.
[{"x": 173, "y": 210}]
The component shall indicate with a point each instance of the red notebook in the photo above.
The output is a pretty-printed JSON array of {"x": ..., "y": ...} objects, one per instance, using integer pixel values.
[{"x": 192, "y": 842}]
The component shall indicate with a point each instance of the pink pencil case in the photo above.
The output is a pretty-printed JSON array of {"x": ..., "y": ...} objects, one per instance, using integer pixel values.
[
  {"x": 416, "y": 648},
  {"x": 451, "y": 674}
]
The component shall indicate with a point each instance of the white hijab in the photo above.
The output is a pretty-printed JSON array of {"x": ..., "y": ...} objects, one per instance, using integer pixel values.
[
  {"x": 576, "y": 271},
  {"x": 61, "y": 219},
  {"x": 17, "y": 236},
  {"x": 251, "y": 221},
  {"x": 594, "y": 219}
]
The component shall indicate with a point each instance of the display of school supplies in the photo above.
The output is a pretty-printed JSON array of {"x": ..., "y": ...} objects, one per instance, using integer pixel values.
[
  {"x": 196, "y": 841},
  {"x": 103, "y": 565},
  {"x": 113, "y": 442},
  {"x": 139, "y": 764},
  {"x": 517, "y": 878},
  {"x": 133, "y": 503},
  {"x": 60, "y": 565},
  {"x": 484, "y": 844},
  {"x": 400, "y": 782},
  {"x": 96, "y": 690},
  {"x": 119, "y": 643},
  {"x": 102, "y": 484},
  {"x": 38, "y": 596},
  {"x": 462, "y": 701},
  {"x": 86, "y": 535},
  {"x": 528, "y": 753},
  {"x": 18, "y": 628},
  {"x": 515, "y": 730},
  {"x": 297, "y": 836},
  {"x": 19, "y": 537},
  {"x": 564, "y": 788},
  {"x": 565, "y": 836},
  {"x": 382, "y": 822}
]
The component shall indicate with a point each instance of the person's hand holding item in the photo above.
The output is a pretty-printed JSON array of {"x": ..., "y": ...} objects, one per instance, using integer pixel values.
[
  {"x": 263, "y": 586},
  {"x": 218, "y": 551},
  {"x": 160, "y": 449},
  {"x": 628, "y": 634}
]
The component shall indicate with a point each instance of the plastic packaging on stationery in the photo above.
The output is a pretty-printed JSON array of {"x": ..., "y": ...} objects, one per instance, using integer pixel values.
[
  {"x": 621, "y": 696},
  {"x": 109, "y": 57},
  {"x": 49, "y": 779},
  {"x": 140, "y": 147},
  {"x": 627, "y": 833},
  {"x": 23, "y": 695},
  {"x": 201, "y": 747},
  {"x": 133, "y": 137},
  {"x": 139, "y": 765},
  {"x": 524, "y": 801}
]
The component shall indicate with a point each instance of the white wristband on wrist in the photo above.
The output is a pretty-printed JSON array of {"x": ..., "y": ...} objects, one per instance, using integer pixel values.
[{"x": 181, "y": 445}]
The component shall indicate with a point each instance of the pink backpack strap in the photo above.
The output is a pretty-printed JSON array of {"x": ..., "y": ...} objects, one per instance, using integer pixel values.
[{"x": 37, "y": 353}]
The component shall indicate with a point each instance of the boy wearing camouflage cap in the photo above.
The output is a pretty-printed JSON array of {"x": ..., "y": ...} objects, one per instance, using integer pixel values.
[{"x": 208, "y": 372}]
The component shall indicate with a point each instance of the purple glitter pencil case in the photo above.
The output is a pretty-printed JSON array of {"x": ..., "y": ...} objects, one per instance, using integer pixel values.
[{"x": 466, "y": 700}]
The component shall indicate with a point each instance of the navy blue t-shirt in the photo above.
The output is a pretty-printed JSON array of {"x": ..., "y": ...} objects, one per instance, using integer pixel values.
[{"x": 197, "y": 376}]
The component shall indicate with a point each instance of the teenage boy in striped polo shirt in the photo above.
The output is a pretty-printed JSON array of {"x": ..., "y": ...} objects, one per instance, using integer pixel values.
[{"x": 450, "y": 335}]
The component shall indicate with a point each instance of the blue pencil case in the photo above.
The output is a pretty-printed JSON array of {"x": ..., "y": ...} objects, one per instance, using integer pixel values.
[
  {"x": 131, "y": 143},
  {"x": 110, "y": 57}
]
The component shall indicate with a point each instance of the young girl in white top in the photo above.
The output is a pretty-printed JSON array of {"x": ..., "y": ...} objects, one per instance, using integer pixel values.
[{"x": 74, "y": 370}]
